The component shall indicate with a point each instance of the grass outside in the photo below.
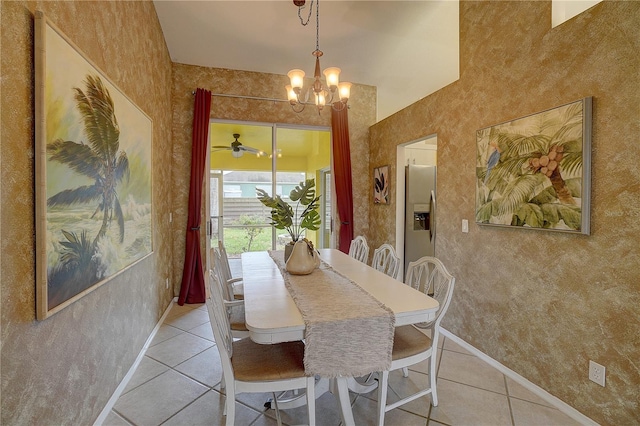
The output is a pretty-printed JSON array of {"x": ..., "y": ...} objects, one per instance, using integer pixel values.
[{"x": 238, "y": 240}]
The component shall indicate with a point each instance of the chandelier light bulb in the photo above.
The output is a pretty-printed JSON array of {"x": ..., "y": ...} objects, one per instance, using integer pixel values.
[
  {"x": 344, "y": 89},
  {"x": 296, "y": 77},
  {"x": 332, "y": 75},
  {"x": 291, "y": 95}
]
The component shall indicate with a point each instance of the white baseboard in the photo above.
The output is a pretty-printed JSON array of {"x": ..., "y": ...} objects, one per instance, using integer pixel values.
[
  {"x": 125, "y": 380},
  {"x": 537, "y": 390}
]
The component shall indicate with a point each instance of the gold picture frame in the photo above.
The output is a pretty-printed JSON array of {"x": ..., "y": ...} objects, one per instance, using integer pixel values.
[{"x": 93, "y": 174}]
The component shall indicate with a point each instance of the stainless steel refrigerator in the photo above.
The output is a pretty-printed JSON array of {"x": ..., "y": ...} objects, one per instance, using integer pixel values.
[{"x": 420, "y": 211}]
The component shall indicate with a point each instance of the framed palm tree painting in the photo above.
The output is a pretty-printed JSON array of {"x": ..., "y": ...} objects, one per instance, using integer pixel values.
[
  {"x": 93, "y": 175},
  {"x": 535, "y": 172}
]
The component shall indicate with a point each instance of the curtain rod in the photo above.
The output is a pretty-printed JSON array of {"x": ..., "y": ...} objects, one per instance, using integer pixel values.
[{"x": 256, "y": 98}]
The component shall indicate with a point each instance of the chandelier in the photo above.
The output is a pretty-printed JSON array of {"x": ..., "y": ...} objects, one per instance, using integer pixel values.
[{"x": 333, "y": 92}]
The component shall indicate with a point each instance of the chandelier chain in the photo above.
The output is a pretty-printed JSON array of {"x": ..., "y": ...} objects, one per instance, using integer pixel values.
[
  {"x": 302, "y": 21},
  {"x": 317, "y": 24},
  {"x": 324, "y": 93}
]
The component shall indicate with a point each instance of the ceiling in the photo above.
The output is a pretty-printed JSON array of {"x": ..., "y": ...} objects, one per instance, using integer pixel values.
[
  {"x": 407, "y": 49},
  {"x": 294, "y": 142}
]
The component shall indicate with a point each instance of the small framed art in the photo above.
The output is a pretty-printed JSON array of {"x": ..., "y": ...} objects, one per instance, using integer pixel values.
[{"x": 381, "y": 185}]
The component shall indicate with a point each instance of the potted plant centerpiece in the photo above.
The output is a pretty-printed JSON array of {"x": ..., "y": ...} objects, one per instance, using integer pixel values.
[{"x": 294, "y": 221}]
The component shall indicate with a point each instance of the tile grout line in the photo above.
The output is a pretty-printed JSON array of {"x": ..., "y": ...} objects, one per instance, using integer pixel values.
[
  {"x": 169, "y": 367},
  {"x": 188, "y": 405},
  {"x": 122, "y": 416},
  {"x": 437, "y": 372},
  {"x": 506, "y": 387},
  {"x": 210, "y": 388}
]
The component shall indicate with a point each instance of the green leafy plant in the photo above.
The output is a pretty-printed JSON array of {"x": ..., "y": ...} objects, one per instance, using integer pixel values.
[
  {"x": 284, "y": 216},
  {"x": 252, "y": 228}
]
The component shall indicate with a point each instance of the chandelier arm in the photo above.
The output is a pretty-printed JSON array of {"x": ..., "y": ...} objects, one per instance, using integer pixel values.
[
  {"x": 298, "y": 109},
  {"x": 338, "y": 106},
  {"x": 304, "y": 99}
]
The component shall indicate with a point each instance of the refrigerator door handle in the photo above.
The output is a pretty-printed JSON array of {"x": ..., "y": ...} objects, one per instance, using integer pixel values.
[{"x": 432, "y": 214}]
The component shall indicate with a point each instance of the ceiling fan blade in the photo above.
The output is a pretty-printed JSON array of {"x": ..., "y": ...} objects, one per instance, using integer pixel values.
[
  {"x": 221, "y": 147},
  {"x": 249, "y": 149}
]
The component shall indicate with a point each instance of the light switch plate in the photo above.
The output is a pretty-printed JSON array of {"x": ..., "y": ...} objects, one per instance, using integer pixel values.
[{"x": 465, "y": 225}]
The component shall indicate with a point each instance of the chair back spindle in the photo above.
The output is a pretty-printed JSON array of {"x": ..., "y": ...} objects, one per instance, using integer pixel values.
[
  {"x": 385, "y": 260},
  {"x": 429, "y": 275},
  {"x": 359, "y": 249}
]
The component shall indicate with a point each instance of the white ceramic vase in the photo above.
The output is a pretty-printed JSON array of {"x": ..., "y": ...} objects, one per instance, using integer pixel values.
[{"x": 303, "y": 260}]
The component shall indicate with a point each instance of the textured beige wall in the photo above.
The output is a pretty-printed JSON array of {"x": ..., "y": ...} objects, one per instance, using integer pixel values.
[
  {"x": 63, "y": 370},
  {"x": 541, "y": 303},
  {"x": 187, "y": 78}
]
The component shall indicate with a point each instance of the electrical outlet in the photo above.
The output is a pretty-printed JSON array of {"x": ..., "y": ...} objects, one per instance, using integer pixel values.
[
  {"x": 597, "y": 373},
  {"x": 465, "y": 225}
]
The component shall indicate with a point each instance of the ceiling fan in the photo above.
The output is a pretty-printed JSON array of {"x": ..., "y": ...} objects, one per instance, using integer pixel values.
[{"x": 237, "y": 149}]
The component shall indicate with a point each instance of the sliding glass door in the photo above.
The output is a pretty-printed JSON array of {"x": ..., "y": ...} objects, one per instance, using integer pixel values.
[
  {"x": 325, "y": 188},
  {"x": 275, "y": 158}
]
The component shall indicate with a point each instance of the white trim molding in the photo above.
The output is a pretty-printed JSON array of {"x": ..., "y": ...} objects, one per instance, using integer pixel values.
[
  {"x": 537, "y": 390},
  {"x": 125, "y": 380}
]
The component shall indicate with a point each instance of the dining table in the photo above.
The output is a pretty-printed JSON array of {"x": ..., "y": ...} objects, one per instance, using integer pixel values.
[{"x": 345, "y": 300}]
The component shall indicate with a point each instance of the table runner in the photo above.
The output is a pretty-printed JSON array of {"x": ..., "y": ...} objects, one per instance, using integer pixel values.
[{"x": 347, "y": 331}]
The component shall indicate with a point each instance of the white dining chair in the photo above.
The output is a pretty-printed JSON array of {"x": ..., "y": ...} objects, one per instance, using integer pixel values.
[
  {"x": 359, "y": 249},
  {"x": 234, "y": 307},
  {"x": 251, "y": 367},
  {"x": 411, "y": 345},
  {"x": 238, "y": 288},
  {"x": 424, "y": 274},
  {"x": 385, "y": 260}
]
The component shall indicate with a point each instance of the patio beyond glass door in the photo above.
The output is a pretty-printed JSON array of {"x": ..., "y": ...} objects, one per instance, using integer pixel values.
[
  {"x": 273, "y": 158},
  {"x": 326, "y": 213},
  {"x": 215, "y": 208}
]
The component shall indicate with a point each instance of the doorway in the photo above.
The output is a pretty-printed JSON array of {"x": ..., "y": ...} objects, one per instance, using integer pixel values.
[
  {"x": 272, "y": 157},
  {"x": 418, "y": 152}
]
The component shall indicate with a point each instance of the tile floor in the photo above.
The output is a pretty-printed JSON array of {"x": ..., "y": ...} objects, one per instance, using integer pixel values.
[{"x": 178, "y": 383}]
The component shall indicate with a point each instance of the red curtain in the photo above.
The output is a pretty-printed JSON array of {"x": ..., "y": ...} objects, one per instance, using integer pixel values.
[
  {"x": 192, "y": 289},
  {"x": 342, "y": 176}
]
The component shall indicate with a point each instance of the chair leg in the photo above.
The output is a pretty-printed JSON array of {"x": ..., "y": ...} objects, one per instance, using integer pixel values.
[
  {"x": 432, "y": 378},
  {"x": 230, "y": 407},
  {"x": 405, "y": 372},
  {"x": 275, "y": 404},
  {"x": 345, "y": 402},
  {"x": 311, "y": 400},
  {"x": 382, "y": 396}
]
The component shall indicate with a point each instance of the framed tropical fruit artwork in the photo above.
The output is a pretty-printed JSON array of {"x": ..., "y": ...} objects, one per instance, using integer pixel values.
[
  {"x": 93, "y": 175},
  {"x": 535, "y": 172}
]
